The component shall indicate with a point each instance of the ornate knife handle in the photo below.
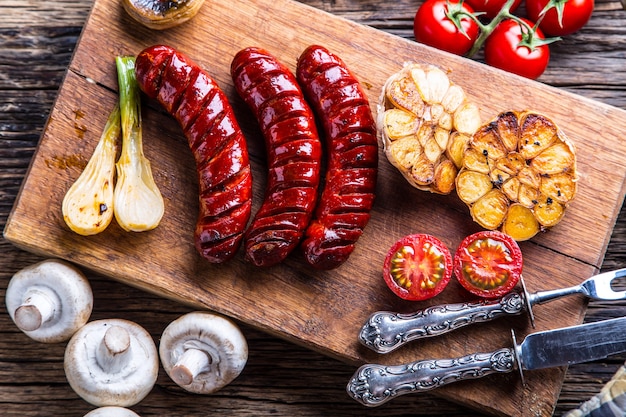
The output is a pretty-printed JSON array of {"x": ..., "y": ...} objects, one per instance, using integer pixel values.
[
  {"x": 373, "y": 385},
  {"x": 386, "y": 331}
]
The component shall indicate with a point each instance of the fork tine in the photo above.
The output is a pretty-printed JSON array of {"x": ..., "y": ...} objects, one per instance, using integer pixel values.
[
  {"x": 602, "y": 287},
  {"x": 614, "y": 295}
]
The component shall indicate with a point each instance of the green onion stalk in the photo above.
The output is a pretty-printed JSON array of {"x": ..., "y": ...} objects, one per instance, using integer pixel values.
[
  {"x": 88, "y": 204},
  {"x": 138, "y": 202}
]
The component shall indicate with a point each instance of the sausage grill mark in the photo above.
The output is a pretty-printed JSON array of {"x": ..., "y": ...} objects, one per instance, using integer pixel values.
[
  {"x": 202, "y": 110},
  {"x": 293, "y": 148},
  {"x": 352, "y": 147},
  {"x": 293, "y": 155}
]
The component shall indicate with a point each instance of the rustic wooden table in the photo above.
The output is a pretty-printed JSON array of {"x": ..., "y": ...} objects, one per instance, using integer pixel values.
[{"x": 37, "y": 40}]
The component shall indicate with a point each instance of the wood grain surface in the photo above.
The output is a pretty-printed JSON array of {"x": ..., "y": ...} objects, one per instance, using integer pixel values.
[{"x": 270, "y": 373}]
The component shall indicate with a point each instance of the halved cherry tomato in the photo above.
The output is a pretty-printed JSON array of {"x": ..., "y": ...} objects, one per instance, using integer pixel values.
[
  {"x": 418, "y": 267},
  {"x": 488, "y": 263}
]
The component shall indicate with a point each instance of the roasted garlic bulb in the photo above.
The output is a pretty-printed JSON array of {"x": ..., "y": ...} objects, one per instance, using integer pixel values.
[
  {"x": 160, "y": 14},
  {"x": 518, "y": 174},
  {"x": 425, "y": 122}
]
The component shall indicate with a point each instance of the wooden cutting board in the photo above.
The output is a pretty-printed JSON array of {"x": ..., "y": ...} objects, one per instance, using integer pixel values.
[{"x": 320, "y": 310}]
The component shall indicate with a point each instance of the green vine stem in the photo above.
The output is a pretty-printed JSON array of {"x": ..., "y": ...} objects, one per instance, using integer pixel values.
[{"x": 529, "y": 38}]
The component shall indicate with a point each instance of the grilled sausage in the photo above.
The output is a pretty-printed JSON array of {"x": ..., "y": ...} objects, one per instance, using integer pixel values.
[
  {"x": 293, "y": 149},
  {"x": 340, "y": 104},
  {"x": 201, "y": 108}
]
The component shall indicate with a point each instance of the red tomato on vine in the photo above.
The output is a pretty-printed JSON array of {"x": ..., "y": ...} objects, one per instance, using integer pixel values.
[
  {"x": 444, "y": 24},
  {"x": 564, "y": 17},
  {"x": 492, "y": 7},
  {"x": 517, "y": 48}
]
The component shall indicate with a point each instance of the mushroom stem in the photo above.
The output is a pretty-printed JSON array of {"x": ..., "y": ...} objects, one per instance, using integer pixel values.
[
  {"x": 114, "y": 351},
  {"x": 189, "y": 365},
  {"x": 111, "y": 363},
  {"x": 38, "y": 306},
  {"x": 202, "y": 352},
  {"x": 49, "y": 301}
]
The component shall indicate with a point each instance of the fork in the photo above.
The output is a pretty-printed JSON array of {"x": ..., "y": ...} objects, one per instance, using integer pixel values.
[{"x": 385, "y": 331}]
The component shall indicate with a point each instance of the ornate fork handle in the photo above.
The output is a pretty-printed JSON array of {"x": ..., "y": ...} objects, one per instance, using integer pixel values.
[
  {"x": 373, "y": 385},
  {"x": 385, "y": 331}
]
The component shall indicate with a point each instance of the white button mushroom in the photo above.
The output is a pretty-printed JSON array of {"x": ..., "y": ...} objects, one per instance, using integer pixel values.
[
  {"x": 202, "y": 352},
  {"x": 111, "y": 412},
  {"x": 111, "y": 363},
  {"x": 50, "y": 300}
]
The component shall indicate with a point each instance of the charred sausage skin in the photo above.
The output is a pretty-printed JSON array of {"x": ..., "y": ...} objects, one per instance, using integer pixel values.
[
  {"x": 293, "y": 149},
  {"x": 341, "y": 105},
  {"x": 218, "y": 145}
]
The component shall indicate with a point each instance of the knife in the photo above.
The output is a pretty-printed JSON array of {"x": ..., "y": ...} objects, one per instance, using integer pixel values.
[
  {"x": 385, "y": 331},
  {"x": 373, "y": 384}
]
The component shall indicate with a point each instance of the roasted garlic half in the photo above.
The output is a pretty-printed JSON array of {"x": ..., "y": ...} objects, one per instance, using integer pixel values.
[
  {"x": 518, "y": 174},
  {"x": 426, "y": 121}
]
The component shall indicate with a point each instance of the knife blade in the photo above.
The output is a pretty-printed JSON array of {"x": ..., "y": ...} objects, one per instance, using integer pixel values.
[
  {"x": 373, "y": 384},
  {"x": 385, "y": 331}
]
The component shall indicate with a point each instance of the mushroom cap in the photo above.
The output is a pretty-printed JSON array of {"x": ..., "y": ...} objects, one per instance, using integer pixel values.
[
  {"x": 111, "y": 412},
  {"x": 70, "y": 292},
  {"x": 218, "y": 337},
  {"x": 159, "y": 15},
  {"x": 123, "y": 377}
]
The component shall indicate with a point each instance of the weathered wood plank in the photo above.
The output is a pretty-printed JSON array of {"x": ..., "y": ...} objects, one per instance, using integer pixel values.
[
  {"x": 26, "y": 96},
  {"x": 313, "y": 309}
]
